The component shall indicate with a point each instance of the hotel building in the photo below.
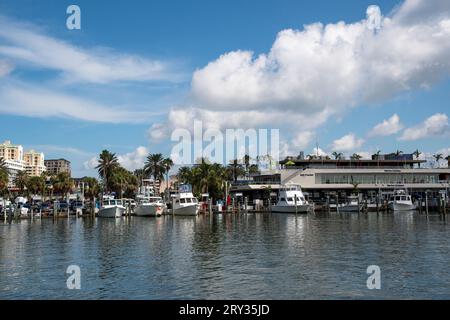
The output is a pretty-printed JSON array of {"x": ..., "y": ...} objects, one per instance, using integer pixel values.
[
  {"x": 56, "y": 166},
  {"x": 13, "y": 156},
  {"x": 17, "y": 160},
  {"x": 34, "y": 163}
]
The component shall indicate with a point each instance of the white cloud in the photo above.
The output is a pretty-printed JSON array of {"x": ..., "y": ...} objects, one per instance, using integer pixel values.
[
  {"x": 130, "y": 161},
  {"x": 434, "y": 126},
  {"x": 348, "y": 142},
  {"x": 5, "y": 67},
  {"x": 33, "y": 101},
  {"x": 322, "y": 71},
  {"x": 317, "y": 151},
  {"x": 91, "y": 163},
  {"x": 134, "y": 160},
  {"x": 63, "y": 150},
  {"x": 303, "y": 66},
  {"x": 387, "y": 127},
  {"x": 302, "y": 140},
  {"x": 23, "y": 44}
]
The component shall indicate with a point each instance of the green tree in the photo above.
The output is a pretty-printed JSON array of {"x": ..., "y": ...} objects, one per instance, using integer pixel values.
[
  {"x": 356, "y": 156},
  {"x": 154, "y": 167},
  {"x": 3, "y": 182},
  {"x": 168, "y": 164},
  {"x": 62, "y": 184},
  {"x": 438, "y": 157},
  {"x": 21, "y": 180},
  {"x": 235, "y": 169},
  {"x": 417, "y": 154},
  {"x": 92, "y": 189},
  {"x": 337, "y": 155},
  {"x": 107, "y": 163},
  {"x": 36, "y": 185},
  {"x": 123, "y": 182}
]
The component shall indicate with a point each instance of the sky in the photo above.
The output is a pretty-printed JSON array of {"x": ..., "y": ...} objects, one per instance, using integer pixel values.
[{"x": 319, "y": 71}]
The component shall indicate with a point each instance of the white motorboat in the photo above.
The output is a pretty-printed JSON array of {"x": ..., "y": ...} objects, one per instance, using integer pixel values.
[
  {"x": 351, "y": 205},
  {"x": 111, "y": 208},
  {"x": 149, "y": 207},
  {"x": 185, "y": 204},
  {"x": 401, "y": 201},
  {"x": 291, "y": 200}
]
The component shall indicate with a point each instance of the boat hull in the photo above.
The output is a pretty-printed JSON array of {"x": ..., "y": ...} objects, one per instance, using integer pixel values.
[
  {"x": 395, "y": 206},
  {"x": 290, "y": 209},
  {"x": 186, "y": 211},
  {"x": 148, "y": 211},
  {"x": 349, "y": 208},
  {"x": 113, "y": 212}
]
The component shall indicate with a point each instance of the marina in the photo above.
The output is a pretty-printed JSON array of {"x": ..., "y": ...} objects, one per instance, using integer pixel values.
[{"x": 240, "y": 256}]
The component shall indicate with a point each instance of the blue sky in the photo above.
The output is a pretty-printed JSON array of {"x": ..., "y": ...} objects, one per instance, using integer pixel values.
[{"x": 153, "y": 60}]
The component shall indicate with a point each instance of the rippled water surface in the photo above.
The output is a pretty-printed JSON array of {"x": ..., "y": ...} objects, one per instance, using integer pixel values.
[{"x": 254, "y": 256}]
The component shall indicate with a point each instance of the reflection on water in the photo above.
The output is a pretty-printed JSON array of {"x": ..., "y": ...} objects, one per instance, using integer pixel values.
[{"x": 253, "y": 256}]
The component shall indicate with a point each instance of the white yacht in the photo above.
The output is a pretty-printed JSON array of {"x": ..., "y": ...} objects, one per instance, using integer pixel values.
[
  {"x": 351, "y": 205},
  {"x": 149, "y": 207},
  {"x": 401, "y": 201},
  {"x": 185, "y": 204},
  {"x": 291, "y": 200},
  {"x": 111, "y": 208}
]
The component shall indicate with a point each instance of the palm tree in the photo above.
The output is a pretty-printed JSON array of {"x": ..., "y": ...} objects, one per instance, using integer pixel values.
[
  {"x": 448, "y": 161},
  {"x": 246, "y": 161},
  {"x": 168, "y": 164},
  {"x": 437, "y": 157},
  {"x": 417, "y": 154},
  {"x": 92, "y": 189},
  {"x": 123, "y": 182},
  {"x": 107, "y": 163},
  {"x": 236, "y": 169},
  {"x": 62, "y": 183},
  {"x": 36, "y": 185},
  {"x": 139, "y": 174},
  {"x": 21, "y": 180},
  {"x": 154, "y": 166},
  {"x": 356, "y": 156},
  {"x": 398, "y": 152},
  {"x": 337, "y": 155}
]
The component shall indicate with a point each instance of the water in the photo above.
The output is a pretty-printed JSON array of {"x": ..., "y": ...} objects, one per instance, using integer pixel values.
[{"x": 255, "y": 256}]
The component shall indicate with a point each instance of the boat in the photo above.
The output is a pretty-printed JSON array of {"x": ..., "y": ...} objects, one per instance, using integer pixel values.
[
  {"x": 149, "y": 207},
  {"x": 111, "y": 208},
  {"x": 401, "y": 201},
  {"x": 291, "y": 200},
  {"x": 351, "y": 205},
  {"x": 184, "y": 202}
]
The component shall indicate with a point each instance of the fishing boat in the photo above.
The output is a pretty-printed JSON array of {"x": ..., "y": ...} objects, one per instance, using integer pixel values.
[
  {"x": 111, "y": 208},
  {"x": 184, "y": 202},
  {"x": 351, "y": 205},
  {"x": 149, "y": 207},
  {"x": 291, "y": 200},
  {"x": 401, "y": 201}
]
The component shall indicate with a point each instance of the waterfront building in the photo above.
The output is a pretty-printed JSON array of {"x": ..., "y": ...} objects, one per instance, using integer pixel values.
[
  {"x": 56, "y": 166},
  {"x": 13, "y": 156},
  {"x": 34, "y": 163},
  {"x": 321, "y": 176}
]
